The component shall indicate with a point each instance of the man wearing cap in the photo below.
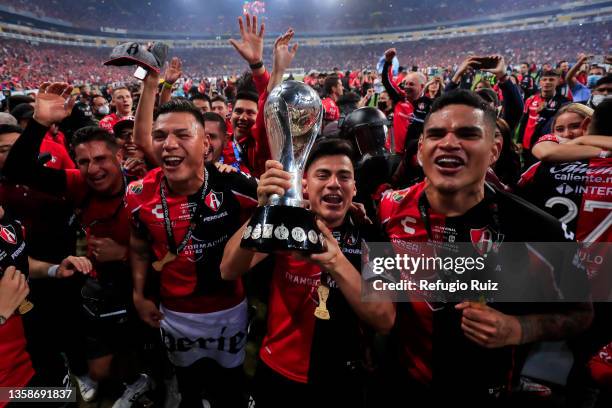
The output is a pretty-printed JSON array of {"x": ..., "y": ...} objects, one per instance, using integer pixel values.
[{"x": 122, "y": 102}]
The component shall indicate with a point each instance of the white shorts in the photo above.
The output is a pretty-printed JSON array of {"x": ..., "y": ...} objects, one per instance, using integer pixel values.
[{"x": 221, "y": 336}]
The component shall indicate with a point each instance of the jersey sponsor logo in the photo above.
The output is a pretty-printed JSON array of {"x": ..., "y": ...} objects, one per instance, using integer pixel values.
[
  {"x": 8, "y": 234},
  {"x": 214, "y": 200},
  {"x": 408, "y": 229},
  {"x": 486, "y": 240},
  {"x": 158, "y": 212},
  {"x": 135, "y": 188},
  {"x": 564, "y": 189}
]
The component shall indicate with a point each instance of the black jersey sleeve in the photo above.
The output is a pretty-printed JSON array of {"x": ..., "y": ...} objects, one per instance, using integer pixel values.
[{"x": 22, "y": 166}]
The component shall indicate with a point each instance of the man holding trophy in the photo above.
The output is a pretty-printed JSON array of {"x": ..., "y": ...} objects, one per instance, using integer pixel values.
[{"x": 313, "y": 351}]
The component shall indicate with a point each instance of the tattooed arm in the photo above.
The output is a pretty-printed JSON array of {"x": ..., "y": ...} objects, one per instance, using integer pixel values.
[
  {"x": 140, "y": 261},
  {"x": 556, "y": 326}
]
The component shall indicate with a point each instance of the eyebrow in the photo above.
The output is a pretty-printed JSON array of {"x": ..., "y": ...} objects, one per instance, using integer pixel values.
[{"x": 459, "y": 129}]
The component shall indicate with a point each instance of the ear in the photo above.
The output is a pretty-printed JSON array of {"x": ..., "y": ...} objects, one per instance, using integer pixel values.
[
  {"x": 498, "y": 143},
  {"x": 304, "y": 187},
  {"x": 419, "y": 157},
  {"x": 119, "y": 155},
  {"x": 585, "y": 125}
]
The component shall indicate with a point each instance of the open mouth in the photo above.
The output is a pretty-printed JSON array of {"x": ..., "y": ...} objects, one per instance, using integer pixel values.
[
  {"x": 171, "y": 162},
  {"x": 448, "y": 163},
  {"x": 97, "y": 179},
  {"x": 332, "y": 199}
]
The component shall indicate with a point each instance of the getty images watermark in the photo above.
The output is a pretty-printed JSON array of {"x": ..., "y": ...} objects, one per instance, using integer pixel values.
[
  {"x": 505, "y": 272},
  {"x": 406, "y": 264}
]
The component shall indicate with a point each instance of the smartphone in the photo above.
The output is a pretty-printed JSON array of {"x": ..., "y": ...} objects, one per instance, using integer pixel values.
[
  {"x": 486, "y": 63},
  {"x": 140, "y": 73}
]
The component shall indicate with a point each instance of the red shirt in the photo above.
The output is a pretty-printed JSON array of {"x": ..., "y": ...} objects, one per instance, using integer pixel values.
[
  {"x": 192, "y": 282},
  {"x": 60, "y": 159},
  {"x": 15, "y": 365},
  {"x": 332, "y": 113}
]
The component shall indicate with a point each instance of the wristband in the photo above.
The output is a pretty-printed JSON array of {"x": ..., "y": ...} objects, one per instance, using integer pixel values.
[
  {"x": 256, "y": 65},
  {"x": 52, "y": 271},
  {"x": 604, "y": 154},
  {"x": 168, "y": 85}
]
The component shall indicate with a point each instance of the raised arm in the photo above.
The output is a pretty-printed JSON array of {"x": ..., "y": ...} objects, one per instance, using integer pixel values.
[
  {"x": 462, "y": 69},
  {"x": 143, "y": 121},
  {"x": 570, "y": 77},
  {"x": 53, "y": 104},
  {"x": 395, "y": 93},
  {"x": 171, "y": 75},
  {"x": 512, "y": 103},
  {"x": 250, "y": 45},
  {"x": 282, "y": 57}
]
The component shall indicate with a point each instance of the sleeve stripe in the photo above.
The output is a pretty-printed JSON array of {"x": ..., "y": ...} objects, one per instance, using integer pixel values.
[{"x": 244, "y": 196}]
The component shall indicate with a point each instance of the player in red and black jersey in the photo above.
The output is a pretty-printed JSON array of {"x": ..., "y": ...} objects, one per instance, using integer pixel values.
[
  {"x": 538, "y": 112},
  {"x": 96, "y": 190},
  {"x": 579, "y": 193},
  {"x": 308, "y": 359},
  {"x": 465, "y": 352},
  {"x": 184, "y": 213},
  {"x": 333, "y": 90}
]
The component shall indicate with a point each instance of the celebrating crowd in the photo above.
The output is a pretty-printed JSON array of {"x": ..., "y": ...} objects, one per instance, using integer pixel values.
[{"x": 123, "y": 208}]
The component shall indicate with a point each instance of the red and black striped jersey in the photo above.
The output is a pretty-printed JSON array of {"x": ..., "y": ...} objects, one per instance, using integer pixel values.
[
  {"x": 192, "y": 282},
  {"x": 300, "y": 346},
  {"x": 432, "y": 347}
]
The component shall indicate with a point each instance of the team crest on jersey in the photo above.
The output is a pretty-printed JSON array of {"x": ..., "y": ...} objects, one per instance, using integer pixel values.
[
  {"x": 8, "y": 234},
  {"x": 552, "y": 104},
  {"x": 135, "y": 188},
  {"x": 398, "y": 196},
  {"x": 486, "y": 240},
  {"x": 421, "y": 106},
  {"x": 214, "y": 200}
]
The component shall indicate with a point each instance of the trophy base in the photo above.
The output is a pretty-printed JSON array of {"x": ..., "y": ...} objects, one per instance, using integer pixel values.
[{"x": 282, "y": 228}]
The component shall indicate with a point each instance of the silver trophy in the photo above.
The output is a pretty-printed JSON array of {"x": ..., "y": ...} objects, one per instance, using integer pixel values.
[{"x": 293, "y": 115}]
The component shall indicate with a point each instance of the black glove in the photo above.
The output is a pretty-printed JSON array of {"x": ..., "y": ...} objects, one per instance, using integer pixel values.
[{"x": 133, "y": 53}]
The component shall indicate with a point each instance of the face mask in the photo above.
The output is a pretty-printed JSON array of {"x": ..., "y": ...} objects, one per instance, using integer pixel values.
[
  {"x": 382, "y": 106},
  {"x": 104, "y": 110},
  {"x": 597, "y": 99},
  {"x": 592, "y": 80}
]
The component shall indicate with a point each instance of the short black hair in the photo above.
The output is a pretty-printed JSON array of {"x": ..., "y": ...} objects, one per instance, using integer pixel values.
[
  {"x": 6, "y": 128},
  {"x": 330, "y": 147},
  {"x": 330, "y": 82},
  {"x": 219, "y": 98},
  {"x": 94, "y": 134},
  {"x": 180, "y": 105},
  {"x": 245, "y": 88},
  {"x": 200, "y": 96},
  {"x": 605, "y": 80},
  {"x": 215, "y": 117},
  {"x": 463, "y": 97},
  {"x": 550, "y": 73},
  {"x": 601, "y": 121}
]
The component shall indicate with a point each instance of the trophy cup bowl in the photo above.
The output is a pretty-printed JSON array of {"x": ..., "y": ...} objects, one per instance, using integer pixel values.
[{"x": 293, "y": 116}]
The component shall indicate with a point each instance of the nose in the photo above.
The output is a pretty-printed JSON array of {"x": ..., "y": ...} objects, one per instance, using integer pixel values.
[
  {"x": 334, "y": 183},
  {"x": 449, "y": 141},
  {"x": 171, "y": 142}
]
